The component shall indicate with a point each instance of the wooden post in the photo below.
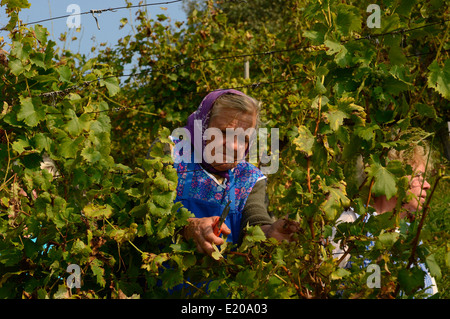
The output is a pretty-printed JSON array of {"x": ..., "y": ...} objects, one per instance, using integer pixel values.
[{"x": 246, "y": 69}]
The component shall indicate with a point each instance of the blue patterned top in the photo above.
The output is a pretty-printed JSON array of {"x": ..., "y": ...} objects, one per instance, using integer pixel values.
[{"x": 206, "y": 187}]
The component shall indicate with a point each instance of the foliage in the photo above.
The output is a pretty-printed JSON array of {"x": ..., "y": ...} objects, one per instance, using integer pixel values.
[{"x": 334, "y": 93}]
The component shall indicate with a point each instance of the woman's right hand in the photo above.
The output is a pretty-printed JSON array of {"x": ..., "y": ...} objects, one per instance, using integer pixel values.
[{"x": 202, "y": 232}]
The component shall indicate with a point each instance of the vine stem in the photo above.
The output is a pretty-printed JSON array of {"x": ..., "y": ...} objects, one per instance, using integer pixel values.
[
  {"x": 419, "y": 229},
  {"x": 289, "y": 274},
  {"x": 194, "y": 286},
  {"x": 319, "y": 105},
  {"x": 308, "y": 174},
  {"x": 308, "y": 177},
  {"x": 9, "y": 158},
  {"x": 308, "y": 171},
  {"x": 442, "y": 42},
  {"x": 125, "y": 107},
  {"x": 127, "y": 239},
  {"x": 367, "y": 204}
]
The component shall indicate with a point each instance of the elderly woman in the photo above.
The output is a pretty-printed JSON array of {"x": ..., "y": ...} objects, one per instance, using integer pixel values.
[{"x": 206, "y": 187}]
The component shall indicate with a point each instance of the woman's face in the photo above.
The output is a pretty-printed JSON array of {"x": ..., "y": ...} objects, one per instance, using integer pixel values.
[
  {"x": 235, "y": 145},
  {"x": 418, "y": 192}
]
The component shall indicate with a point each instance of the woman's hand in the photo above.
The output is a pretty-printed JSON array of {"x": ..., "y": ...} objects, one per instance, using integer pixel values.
[
  {"x": 202, "y": 232},
  {"x": 282, "y": 229}
]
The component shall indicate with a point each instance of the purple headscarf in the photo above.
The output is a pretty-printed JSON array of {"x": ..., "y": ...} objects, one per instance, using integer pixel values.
[{"x": 203, "y": 113}]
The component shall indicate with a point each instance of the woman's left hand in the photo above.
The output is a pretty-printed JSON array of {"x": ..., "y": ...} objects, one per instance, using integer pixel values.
[{"x": 282, "y": 229}]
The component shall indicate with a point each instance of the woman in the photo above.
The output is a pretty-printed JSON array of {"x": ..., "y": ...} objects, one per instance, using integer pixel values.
[
  {"x": 205, "y": 188},
  {"x": 417, "y": 157}
]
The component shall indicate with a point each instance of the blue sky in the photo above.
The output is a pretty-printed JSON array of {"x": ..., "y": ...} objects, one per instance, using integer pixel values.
[{"x": 89, "y": 34}]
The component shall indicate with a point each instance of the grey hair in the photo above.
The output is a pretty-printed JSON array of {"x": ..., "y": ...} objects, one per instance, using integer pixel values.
[
  {"x": 243, "y": 103},
  {"x": 414, "y": 156}
]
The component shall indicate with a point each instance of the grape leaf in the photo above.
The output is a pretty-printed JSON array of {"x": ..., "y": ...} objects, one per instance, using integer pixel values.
[
  {"x": 216, "y": 253},
  {"x": 31, "y": 112},
  {"x": 439, "y": 78},
  {"x": 386, "y": 240},
  {"x": 20, "y": 145},
  {"x": 304, "y": 141},
  {"x": 19, "y": 4},
  {"x": 64, "y": 73},
  {"x": 73, "y": 126},
  {"x": 347, "y": 19},
  {"x": 433, "y": 266},
  {"x": 112, "y": 84},
  {"x": 339, "y": 274},
  {"x": 384, "y": 181},
  {"x": 336, "y": 118},
  {"x": 411, "y": 279},
  {"x": 98, "y": 211},
  {"x": 98, "y": 272},
  {"x": 91, "y": 155}
]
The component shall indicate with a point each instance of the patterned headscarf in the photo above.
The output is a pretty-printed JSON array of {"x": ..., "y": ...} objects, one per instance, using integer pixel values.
[{"x": 203, "y": 113}]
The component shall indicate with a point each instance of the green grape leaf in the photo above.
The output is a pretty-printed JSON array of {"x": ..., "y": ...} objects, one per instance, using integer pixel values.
[
  {"x": 386, "y": 240},
  {"x": 411, "y": 279},
  {"x": 20, "y": 145},
  {"x": 73, "y": 125},
  {"x": 384, "y": 183},
  {"x": 64, "y": 73},
  {"x": 41, "y": 33},
  {"x": 433, "y": 267},
  {"x": 112, "y": 84},
  {"x": 16, "y": 67},
  {"x": 17, "y": 4},
  {"x": 31, "y": 111},
  {"x": 348, "y": 19},
  {"x": 98, "y": 272},
  {"x": 427, "y": 110},
  {"x": 91, "y": 155}
]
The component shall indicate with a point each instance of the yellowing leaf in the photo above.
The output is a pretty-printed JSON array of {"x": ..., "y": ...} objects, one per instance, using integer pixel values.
[
  {"x": 336, "y": 118},
  {"x": 339, "y": 274},
  {"x": 336, "y": 199},
  {"x": 98, "y": 211},
  {"x": 304, "y": 141},
  {"x": 216, "y": 254},
  {"x": 439, "y": 78}
]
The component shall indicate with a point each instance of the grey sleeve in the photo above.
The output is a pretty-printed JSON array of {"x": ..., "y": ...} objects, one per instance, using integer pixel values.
[{"x": 256, "y": 208}]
